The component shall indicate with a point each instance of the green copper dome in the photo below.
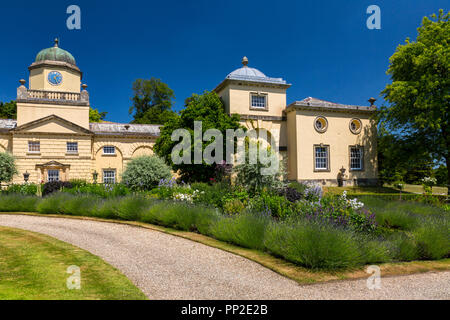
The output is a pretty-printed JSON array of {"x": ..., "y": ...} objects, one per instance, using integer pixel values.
[{"x": 55, "y": 54}]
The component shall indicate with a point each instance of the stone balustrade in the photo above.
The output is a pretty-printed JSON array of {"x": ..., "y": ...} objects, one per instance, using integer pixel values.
[{"x": 54, "y": 97}]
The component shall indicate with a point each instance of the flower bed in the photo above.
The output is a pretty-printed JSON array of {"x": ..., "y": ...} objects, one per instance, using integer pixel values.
[{"x": 324, "y": 233}]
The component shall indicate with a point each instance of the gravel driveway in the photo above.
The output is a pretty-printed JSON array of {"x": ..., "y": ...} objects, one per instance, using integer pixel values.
[{"x": 168, "y": 267}]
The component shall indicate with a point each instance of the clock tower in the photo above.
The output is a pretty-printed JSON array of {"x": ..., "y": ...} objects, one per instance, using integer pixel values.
[
  {"x": 55, "y": 70},
  {"x": 54, "y": 89}
]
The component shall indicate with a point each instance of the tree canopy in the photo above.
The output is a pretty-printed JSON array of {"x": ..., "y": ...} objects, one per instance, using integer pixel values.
[
  {"x": 8, "y": 110},
  {"x": 152, "y": 102},
  {"x": 419, "y": 94},
  {"x": 96, "y": 116},
  {"x": 402, "y": 158},
  {"x": 207, "y": 108}
]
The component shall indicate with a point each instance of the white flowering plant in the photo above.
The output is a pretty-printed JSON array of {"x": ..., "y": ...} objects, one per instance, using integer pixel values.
[
  {"x": 339, "y": 210},
  {"x": 428, "y": 183}
]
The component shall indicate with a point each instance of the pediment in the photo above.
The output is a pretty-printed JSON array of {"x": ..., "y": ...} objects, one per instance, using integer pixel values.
[
  {"x": 52, "y": 165},
  {"x": 52, "y": 124}
]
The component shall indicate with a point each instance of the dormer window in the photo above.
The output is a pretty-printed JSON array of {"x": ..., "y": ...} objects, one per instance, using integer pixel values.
[{"x": 259, "y": 101}]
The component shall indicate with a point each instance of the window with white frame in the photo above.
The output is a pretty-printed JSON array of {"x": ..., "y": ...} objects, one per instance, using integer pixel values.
[
  {"x": 321, "y": 158},
  {"x": 259, "y": 101},
  {"x": 34, "y": 146},
  {"x": 72, "y": 147},
  {"x": 109, "y": 176},
  {"x": 53, "y": 175},
  {"x": 356, "y": 158},
  {"x": 109, "y": 150}
]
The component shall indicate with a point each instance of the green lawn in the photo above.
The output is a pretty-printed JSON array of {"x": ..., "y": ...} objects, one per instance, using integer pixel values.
[
  {"x": 408, "y": 188},
  {"x": 412, "y": 188},
  {"x": 34, "y": 266}
]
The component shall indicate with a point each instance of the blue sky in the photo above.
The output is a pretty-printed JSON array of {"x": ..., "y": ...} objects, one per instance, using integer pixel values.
[{"x": 323, "y": 48}]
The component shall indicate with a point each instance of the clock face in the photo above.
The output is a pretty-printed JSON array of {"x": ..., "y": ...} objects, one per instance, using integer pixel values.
[{"x": 54, "y": 78}]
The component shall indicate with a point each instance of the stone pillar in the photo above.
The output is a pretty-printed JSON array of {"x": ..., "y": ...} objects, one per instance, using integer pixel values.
[{"x": 22, "y": 91}]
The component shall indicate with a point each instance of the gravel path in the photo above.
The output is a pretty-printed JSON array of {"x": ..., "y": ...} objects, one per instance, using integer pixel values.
[{"x": 168, "y": 267}]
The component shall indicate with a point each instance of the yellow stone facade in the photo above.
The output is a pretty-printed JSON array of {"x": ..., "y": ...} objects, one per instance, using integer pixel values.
[
  {"x": 52, "y": 138},
  {"x": 346, "y": 154},
  {"x": 317, "y": 140}
]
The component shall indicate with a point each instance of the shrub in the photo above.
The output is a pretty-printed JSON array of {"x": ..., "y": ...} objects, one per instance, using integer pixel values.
[
  {"x": 211, "y": 195},
  {"x": 332, "y": 233},
  {"x": 314, "y": 244},
  {"x": 246, "y": 230},
  {"x": 131, "y": 208},
  {"x": 339, "y": 211},
  {"x": 291, "y": 194},
  {"x": 233, "y": 206},
  {"x": 404, "y": 247},
  {"x": 18, "y": 203},
  {"x": 101, "y": 190},
  {"x": 255, "y": 177},
  {"x": 235, "y": 201},
  {"x": 375, "y": 250},
  {"x": 82, "y": 205},
  {"x": 52, "y": 203},
  {"x": 276, "y": 205},
  {"x": 144, "y": 173},
  {"x": 180, "y": 215},
  {"x": 7, "y": 167},
  {"x": 53, "y": 186},
  {"x": 78, "y": 183},
  {"x": 171, "y": 190},
  {"x": 313, "y": 191},
  {"x": 396, "y": 220},
  {"x": 433, "y": 239},
  {"x": 107, "y": 209},
  {"x": 387, "y": 197},
  {"x": 299, "y": 187},
  {"x": 223, "y": 172},
  {"x": 28, "y": 189}
]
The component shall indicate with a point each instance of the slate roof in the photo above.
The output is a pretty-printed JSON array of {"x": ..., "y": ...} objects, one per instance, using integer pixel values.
[
  {"x": 106, "y": 128},
  {"x": 110, "y": 128},
  {"x": 315, "y": 103},
  {"x": 7, "y": 124}
]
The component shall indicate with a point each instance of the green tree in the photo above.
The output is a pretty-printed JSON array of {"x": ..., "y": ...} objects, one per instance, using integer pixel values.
[
  {"x": 207, "y": 108},
  {"x": 7, "y": 167},
  {"x": 402, "y": 158},
  {"x": 441, "y": 175},
  {"x": 152, "y": 102},
  {"x": 95, "y": 115},
  {"x": 419, "y": 94},
  {"x": 8, "y": 110}
]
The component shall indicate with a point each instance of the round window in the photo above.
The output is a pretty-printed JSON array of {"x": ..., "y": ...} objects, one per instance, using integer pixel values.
[
  {"x": 321, "y": 124},
  {"x": 355, "y": 126}
]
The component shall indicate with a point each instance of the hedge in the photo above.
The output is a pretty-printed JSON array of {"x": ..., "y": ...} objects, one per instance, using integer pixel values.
[{"x": 430, "y": 199}]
